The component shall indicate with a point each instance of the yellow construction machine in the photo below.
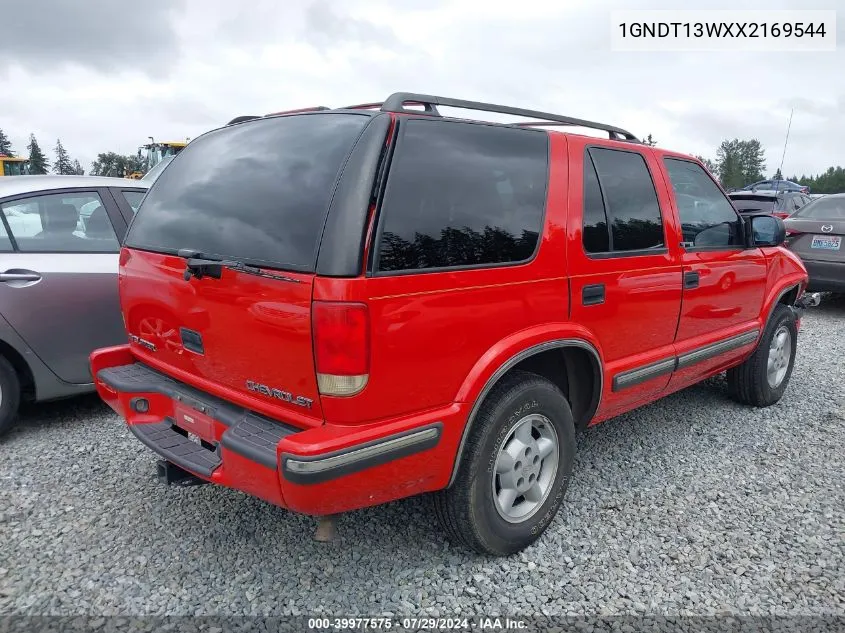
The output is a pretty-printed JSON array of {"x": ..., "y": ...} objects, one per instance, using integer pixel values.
[
  {"x": 13, "y": 166},
  {"x": 154, "y": 152}
]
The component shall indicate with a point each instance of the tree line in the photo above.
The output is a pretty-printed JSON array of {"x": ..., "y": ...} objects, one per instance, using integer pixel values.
[
  {"x": 741, "y": 162},
  {"x": 107, "y": 163},
  {"x": 38, "y": 161},
  {"x": 738, "y": 162}
]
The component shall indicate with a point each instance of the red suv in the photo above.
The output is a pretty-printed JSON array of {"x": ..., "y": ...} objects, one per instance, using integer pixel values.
[{"x": 333, "y": 309}]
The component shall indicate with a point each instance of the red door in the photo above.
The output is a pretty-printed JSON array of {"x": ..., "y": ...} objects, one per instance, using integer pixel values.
[
  {"x": 625, "y": 282},
  {"x": 723, "y": 280}
]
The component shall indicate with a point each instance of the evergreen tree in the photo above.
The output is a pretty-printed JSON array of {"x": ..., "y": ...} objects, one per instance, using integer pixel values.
[
  {"x": 778, "y": 175},
  {"x": 62, "y": 166},
  {"x": 77, "y": 168},
  {"x": 38, "y": 163},
  {"x": 710, "y": 164},
  {"x": 740, "y": 162},
  {"x": 649, "y": 141},
  {"x": 5, "y": 144}
]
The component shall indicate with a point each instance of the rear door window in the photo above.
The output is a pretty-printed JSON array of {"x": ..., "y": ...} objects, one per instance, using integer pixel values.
[
  {"x": 620, "y": 200},
  {"x": 70, "y": 222},
  {"x": 463, "y": 195},
  {"x": 257, "y": 192},
  {"x": 5, "y": 242}
]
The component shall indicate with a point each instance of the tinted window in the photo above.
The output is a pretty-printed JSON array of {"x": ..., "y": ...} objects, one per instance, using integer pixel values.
[
  {"x": 5, "y": 242},
  {"x": 133, "y": 198},
  {"x": 707, "y": 217},
  {"x": 824, "y": 209},
  {"x": 258, "y": 191},
  {"x": 629, "y": 198},
  {"x": 61, "y": 223},
  {"x": 596, "y": 235},
  {"x": 753, "y": 204},
  {"x": 463, "y": 194}
]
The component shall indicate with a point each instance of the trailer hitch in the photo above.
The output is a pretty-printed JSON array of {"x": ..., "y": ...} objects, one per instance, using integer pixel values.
[{"x": 170, "y": 474}]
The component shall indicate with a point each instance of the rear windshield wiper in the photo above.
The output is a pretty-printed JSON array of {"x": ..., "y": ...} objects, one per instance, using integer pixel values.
[{"x": 199, "y": 266}]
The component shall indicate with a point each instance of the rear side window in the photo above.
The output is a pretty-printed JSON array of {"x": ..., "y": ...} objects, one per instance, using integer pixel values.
[
  {"x": 621, "y": 211},
  {"x": 133, "y": 198},
  {"x": 257, "y": 192},
  {"x": 463, "y": 194}
]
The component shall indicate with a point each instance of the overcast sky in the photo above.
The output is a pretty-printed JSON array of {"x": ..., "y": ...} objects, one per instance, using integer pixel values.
[{"x": 104, "y": 75}]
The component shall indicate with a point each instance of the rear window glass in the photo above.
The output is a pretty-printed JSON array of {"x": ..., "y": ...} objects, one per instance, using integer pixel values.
[
  {"x": 463, "y": 194},
  {"x": 823, "y": 209},
  {"x": 755, "y": 203},
  {"x": 256, "y": 192}
]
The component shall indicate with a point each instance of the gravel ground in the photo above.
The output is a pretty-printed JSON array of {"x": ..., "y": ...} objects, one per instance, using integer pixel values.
[{"x": 691, "y": 505}]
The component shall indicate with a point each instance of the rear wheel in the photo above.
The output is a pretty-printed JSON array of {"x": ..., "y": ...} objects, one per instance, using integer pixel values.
[
  {"x": 10, "y": 395},
  {"x": 515, "y": 468},
  {"x": 761, "y": 380}
]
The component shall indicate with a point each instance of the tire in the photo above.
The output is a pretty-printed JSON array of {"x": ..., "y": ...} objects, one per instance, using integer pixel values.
[
  {"x": 468, "y": 510},
  {"x": 751, "y": 382},
  {"x": 10, "y": 395}
]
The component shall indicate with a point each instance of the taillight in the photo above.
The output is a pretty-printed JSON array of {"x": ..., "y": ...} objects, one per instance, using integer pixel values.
[
  {"x": 341, "y": 347},
  {"x": 780, "y": 214},
  {"x": 791, "y": 236}
]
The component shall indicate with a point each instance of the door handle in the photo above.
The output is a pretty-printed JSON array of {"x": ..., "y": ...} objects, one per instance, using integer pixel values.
[
  {"x": 691, "y": 278},
  {"x": 19, "y": 276},
  {"x": 592, "y": 295}
]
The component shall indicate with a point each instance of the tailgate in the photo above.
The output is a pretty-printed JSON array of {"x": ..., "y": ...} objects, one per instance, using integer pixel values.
[{"x": 244, "y": 332}]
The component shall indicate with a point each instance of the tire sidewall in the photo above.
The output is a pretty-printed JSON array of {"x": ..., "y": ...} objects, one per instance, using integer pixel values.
[
  {"x": 781, "y": 316},
  {"x": 537, "y": 398},
  {"x": 10, "y": 387}
]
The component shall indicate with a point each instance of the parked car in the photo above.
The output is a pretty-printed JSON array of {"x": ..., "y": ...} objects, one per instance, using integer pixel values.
[
  {"x": 374, "y": 302},
  {"x": 59, "y": 243},
  {"x": 779, "y": 203},
  {"x": 815, "y": 233},
  {"x": 776, "y": 185}
]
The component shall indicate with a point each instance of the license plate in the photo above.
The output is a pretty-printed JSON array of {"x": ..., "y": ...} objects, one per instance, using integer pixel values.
[
  {"x": 827, "y": 242},
  {"x": 198, "y": 425}
]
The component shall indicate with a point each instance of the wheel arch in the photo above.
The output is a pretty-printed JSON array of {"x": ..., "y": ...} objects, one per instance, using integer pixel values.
[
  {"x": 24, "y": 372},
  {"x": 547, "y": 358}
]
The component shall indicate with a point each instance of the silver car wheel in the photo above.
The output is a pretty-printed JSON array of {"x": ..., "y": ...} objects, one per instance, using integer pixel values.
[
  {"x": 780, "y": 353},
  {"x": 526, "y": 467}
]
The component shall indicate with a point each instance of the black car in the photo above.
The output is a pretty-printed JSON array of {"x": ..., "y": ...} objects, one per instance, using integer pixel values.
[{"x": 779, "y": 203}]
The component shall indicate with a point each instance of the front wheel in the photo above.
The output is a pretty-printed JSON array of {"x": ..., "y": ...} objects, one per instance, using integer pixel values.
[
  {"x": 761, "y": 380},
  {"x": 515, "y": 469}
]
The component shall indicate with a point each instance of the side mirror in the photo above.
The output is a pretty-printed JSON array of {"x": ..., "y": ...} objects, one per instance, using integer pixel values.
[{"x": 765, "y": 230}]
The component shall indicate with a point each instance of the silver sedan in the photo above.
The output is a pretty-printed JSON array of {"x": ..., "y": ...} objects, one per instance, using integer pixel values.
[{"x": 59, "y": 242}]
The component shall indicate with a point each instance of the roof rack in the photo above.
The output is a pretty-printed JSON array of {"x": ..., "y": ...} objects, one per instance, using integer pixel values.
[
  {"x": 397, "y": 102},
  {"x": 428, "y": 108},
  {"x": 298, "y": 110}
]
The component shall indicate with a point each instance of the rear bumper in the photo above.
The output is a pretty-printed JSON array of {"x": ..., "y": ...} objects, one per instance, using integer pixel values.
[
  {"x": 322, "y": 470},
  {"x": 825, "y": 276}
]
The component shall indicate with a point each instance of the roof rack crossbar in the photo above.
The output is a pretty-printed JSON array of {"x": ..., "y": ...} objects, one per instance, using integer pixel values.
[{"x": 396, "y": 103}]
